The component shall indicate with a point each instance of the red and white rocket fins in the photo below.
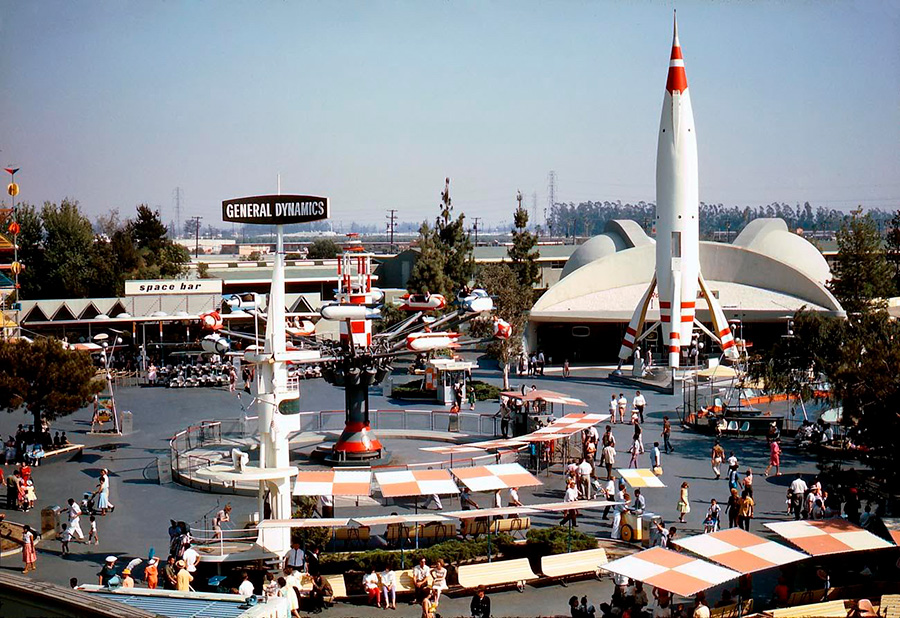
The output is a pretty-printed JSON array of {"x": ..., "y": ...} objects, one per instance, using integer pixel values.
[
  {"x": 719, "y": 323},
  {"x": 637, "y": 322}
]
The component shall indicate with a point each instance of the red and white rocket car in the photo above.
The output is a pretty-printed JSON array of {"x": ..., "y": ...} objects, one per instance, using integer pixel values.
[{"x": 678, "y": 277}]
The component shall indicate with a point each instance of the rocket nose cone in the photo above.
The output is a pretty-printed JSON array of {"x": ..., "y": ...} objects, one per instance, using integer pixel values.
[{"x": 677, "y": 79}]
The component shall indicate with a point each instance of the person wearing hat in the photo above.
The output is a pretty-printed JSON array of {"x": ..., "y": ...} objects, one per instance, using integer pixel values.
[
  {"x": 151, "y": 572},
  {"x": 127, "y": 580},
  {"x": 183, "y": 578},
  {"x": 108, "y": 571}
]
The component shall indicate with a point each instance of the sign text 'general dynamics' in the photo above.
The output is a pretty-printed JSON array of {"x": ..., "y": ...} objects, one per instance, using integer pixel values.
[{"x": 275, "y": 209}]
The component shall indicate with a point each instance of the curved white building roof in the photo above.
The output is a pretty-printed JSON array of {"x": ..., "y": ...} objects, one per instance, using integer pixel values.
[{"x": 768, "y": 273}]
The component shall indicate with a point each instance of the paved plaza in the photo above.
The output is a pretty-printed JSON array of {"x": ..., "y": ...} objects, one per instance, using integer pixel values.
[{"x": 144, "y": 507}]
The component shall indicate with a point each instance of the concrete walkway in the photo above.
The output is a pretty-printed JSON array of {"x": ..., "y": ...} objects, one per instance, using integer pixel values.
[{"x": 144, "y": 507}]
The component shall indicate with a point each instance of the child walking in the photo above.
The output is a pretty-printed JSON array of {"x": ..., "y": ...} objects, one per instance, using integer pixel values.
[
  {"x": 93, "y": 535},
  {"x": 64, "y": 538}
]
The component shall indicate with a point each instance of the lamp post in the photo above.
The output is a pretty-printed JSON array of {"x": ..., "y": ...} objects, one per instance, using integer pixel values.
[{"x": 13, "y": 190}]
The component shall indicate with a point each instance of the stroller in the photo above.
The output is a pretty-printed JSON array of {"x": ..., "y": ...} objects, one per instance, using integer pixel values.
[{"x": 88, "y": 503}]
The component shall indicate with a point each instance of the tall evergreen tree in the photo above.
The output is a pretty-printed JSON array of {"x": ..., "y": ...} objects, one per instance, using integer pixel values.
[
  {"x": 892, "y": 241},
  {"x": 862, "y": 274},
  {"x": 445, "y": 262},
  {"x": 522, "y": 252}
]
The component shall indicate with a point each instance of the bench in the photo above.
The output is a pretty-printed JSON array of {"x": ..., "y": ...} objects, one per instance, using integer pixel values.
[
  {"x": 405, "y": 582},
  {"x": 494, "y": 574},
  {"x": 805, "y": 597},
  {"x": 828, "y": 609},
  {"x": 436, "y": 531},
  {"x": 516, "y": 524},
  {"x": 574, "y": 564},
  {"x": 338, "y": 587},
  {"x": 352, "y": 535},
  {"x": 732, "y": 611},
  {"x": 476, "y": 527},
  {"x": 890, "y": 605},
  {"x": 71, "y": 451},
  {"x": 396, "y": 532}
]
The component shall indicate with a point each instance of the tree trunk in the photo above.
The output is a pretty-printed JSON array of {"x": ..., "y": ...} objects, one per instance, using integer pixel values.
[{"x": 506, "y": 376}]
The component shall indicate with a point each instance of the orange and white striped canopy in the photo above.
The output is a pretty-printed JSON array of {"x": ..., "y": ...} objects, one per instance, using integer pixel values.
[
  {"x": 491, "y": 478},
  {"x": 740, "y": 550},
  {"x": 333, "y": 483},
  {"x": 827, "y": 536},
  {"x": 671, "y": 571},
  {"x": 416, "y": 483}
]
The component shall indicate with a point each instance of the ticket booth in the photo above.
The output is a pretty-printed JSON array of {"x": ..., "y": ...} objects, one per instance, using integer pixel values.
[{"x": 443, "y": 374}]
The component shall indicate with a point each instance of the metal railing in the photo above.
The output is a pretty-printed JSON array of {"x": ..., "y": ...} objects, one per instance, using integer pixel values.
[{"x": 184, "y": 463}]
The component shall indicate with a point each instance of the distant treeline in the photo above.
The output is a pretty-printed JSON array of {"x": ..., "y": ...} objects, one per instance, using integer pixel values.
[{"x": 590, "y": 218}]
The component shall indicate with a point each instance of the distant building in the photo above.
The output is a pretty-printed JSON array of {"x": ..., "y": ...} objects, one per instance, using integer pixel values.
[{"x": 394, "y": 271}]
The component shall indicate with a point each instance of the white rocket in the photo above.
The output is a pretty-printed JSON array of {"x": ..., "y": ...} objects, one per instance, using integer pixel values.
[{"x": 678, "y": 277}]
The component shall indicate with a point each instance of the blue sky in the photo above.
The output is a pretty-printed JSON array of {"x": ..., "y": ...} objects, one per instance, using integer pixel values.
[{"x": 374, "y": 103}]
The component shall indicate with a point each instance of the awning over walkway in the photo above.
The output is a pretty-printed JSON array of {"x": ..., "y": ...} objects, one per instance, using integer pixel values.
[
  {"x": 827, "y": 536},
  {"x": 740, "y": 550},
  {"x": 416, "y": 483},
  {"x": 333, "y": 483},
  {"x": 639, "y": 477},
  {"x": 676, "y": 573},
  {"x": 491, "y": 478}
]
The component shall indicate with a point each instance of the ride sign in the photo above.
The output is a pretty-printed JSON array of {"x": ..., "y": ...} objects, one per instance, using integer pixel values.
[{"x": 275, "y": 209}]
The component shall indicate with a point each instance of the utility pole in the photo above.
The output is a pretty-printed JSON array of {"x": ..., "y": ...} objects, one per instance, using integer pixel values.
[
  {"x": 475, "y": 227},
  {"x": 196, "y": 221},
  {"x": 392, "y": 224}
]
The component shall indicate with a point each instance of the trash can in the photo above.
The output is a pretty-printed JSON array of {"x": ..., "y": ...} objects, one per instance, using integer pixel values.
[{"x": 50, "y": 523}]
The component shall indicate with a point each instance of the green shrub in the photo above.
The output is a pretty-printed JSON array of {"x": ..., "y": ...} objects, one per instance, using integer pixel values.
[
  {"x": 539, "y": 542},
  {"x": 484, "y": 391}
]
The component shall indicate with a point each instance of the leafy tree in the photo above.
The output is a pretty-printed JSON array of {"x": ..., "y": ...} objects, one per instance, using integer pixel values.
[
  {"x": 31, "y": 251},
  {"x": 445, "y": 262},
  {"x": 893, "y": 248},
  {"x": 511, "y": 303},
  {"x": 862, "y": 274},
  {"x": 47, "y": 379},
  {"x": 522, "y": 252},
  {"x": 860, "y": 359},
  {"x": 68, "y": 250},
  {"x": 323, "y": 249}
]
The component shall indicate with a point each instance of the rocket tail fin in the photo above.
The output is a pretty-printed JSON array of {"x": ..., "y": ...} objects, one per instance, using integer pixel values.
[
  {"x": 637, "y": 322},
  {"x": 720, "y": 325}
]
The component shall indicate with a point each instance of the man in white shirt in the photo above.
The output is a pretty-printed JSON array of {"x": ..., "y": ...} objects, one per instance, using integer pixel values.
[
  {"x": 74, "y": 515},
  {"x": 246, "y": 587},
  {"x": 585, "y": 470},
  {"x": 655, "y": 456},
  {"x": 191, "y": 558},
  {"x": 622, "y": 405},
  {"x": 639, "y": 403},
  {"x": 296, "y": 557},
  {"x": 796, "y": 492},
  {"x": 613, "y": 406},
  {"x": 421, "y": 573}
]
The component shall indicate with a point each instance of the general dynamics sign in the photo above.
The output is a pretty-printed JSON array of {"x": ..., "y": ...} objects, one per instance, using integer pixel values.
[{"x": 275, "y": 209}]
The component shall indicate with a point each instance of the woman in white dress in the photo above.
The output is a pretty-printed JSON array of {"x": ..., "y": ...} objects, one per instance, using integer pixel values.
[
  {"x": 439, "y": 579},
  {"x": 103, "y": 502}
]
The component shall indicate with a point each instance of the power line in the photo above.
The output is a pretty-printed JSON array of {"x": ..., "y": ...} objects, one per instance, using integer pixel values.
[{"x": 392, "y": 224}]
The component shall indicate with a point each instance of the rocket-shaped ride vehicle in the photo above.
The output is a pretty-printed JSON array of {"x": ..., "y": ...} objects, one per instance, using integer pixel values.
[{"x": 678, "y": 278}]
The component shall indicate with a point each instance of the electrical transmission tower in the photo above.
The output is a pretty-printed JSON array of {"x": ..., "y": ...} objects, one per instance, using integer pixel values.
[
  {"x": 536, "y": 225},
  {"x": 176, "y": 195},
  {"x": 392, "y": 225},
  {"x": 551, "y": 191}
]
